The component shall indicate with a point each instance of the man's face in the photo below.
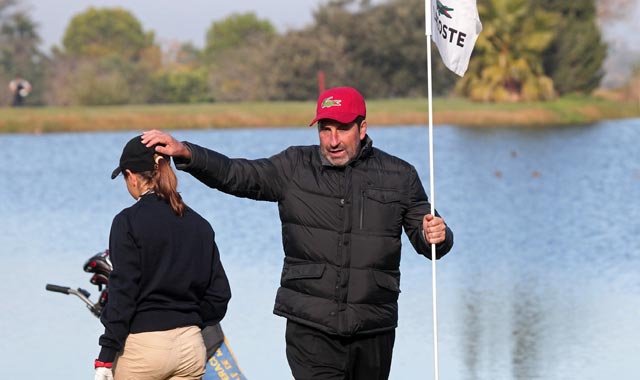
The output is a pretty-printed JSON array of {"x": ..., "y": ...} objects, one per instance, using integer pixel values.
[{"x": 340, "y": 143}]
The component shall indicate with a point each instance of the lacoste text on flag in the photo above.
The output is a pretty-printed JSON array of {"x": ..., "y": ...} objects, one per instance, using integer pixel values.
[{"x": 455, "y": 28}]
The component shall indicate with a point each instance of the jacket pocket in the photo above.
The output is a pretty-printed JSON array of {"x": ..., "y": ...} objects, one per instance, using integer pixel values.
[
  {"x": 380, "y": 210},
  {"x": 302, "y": 271},
  {"x": 385, "y": 287},
  {"x": 386, "y": 281},
  {"x": 305, "y": 278}
]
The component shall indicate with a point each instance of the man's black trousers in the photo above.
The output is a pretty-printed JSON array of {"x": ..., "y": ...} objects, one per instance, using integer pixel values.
[{"x": 314, "y": 355}]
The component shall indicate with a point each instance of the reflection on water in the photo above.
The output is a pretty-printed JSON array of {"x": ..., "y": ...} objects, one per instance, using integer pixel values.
[{"x": 542, "y": 283}]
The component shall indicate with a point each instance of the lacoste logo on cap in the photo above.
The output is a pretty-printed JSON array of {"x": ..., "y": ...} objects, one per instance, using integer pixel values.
[{"x": 330, "y": 102}]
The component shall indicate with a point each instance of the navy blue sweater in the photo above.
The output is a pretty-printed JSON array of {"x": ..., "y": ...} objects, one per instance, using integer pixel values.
[{"x": 166, "y": 274}]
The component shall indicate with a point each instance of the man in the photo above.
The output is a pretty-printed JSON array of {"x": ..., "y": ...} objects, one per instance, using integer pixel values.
[
  {"x": 343, "y": 205},
  {"x": 20, "y": 88}
]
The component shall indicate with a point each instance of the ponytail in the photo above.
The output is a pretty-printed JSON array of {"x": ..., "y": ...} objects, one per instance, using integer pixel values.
[{"x": 165, "y": 185}]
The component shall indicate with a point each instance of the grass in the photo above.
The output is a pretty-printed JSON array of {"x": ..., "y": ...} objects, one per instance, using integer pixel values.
[{"x": 563, "y": 111}]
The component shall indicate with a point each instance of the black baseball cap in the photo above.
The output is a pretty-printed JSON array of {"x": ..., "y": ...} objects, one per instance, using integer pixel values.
[{"x": 136, "y": 157}]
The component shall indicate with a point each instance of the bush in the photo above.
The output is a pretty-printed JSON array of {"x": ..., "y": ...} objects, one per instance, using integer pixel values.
[{"x": 180, "y": 87}]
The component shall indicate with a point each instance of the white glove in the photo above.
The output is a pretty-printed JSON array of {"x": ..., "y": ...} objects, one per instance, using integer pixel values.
[{"x": 103, "y": 373}]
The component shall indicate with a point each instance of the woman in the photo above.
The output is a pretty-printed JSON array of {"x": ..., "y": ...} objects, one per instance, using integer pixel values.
[{"x": 167, "y": 280}]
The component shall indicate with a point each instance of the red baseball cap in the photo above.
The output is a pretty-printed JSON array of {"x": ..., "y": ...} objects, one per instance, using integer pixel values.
[{"x": 343, "y": 104}]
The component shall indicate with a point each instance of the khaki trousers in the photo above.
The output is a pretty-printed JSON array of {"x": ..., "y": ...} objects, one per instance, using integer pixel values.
[{"x": 162, "y": 355}]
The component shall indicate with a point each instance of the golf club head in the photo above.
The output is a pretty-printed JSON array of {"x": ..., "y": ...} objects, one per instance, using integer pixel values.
[
  {"x": 99, "y": 279},
  {"x": 99, "y": 263}
]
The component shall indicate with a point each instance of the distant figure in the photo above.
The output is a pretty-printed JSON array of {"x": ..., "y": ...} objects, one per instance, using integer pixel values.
[{"x": 20, "y": 88}]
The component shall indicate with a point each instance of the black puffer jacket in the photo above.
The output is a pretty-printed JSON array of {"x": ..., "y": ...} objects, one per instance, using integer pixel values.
[{"x": 341, "y": 229}]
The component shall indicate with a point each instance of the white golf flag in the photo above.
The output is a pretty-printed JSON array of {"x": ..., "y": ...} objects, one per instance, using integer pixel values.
[{"x": 455, "y": 26}]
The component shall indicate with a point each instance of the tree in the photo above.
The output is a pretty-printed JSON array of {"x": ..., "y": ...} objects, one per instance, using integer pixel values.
[
  {"x": 375, "y": 62},
  {"x": 507, "y": 60},
  {"x": 294, "y": 61},
  {"x": 240, "y": 74},
  {"x": 385, "y": 46},
  {"x": 236, "y": 31},
  {"x": 381, "y": 49},
  {"x": 575, "y": 58},
  {"x": 107, "y": 81},
  {"x": 235, "y": 51},
  {"x": 98, "y": 33},
  {"x": 107, "y": 59}
]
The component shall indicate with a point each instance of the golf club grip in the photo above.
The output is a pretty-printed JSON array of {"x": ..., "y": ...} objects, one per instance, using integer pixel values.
[{"x": 57, "y": 288}]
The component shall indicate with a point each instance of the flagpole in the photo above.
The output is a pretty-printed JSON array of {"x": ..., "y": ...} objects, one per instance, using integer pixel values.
[
  {"x": 455, "y": 55},
  {"x": 427, "y": 15}
]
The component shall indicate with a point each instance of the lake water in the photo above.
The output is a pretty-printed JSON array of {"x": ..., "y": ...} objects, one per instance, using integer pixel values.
[{"x": 543, "y": 281}]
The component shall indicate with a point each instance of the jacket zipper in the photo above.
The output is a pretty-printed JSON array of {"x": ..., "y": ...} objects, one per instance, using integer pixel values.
[{"x": 361, "y": 208}]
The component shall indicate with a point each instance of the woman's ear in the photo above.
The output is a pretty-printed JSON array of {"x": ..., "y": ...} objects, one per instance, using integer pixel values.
[
  {"x": 130, "y": 177},
  {"x": 132, "y": 182}
]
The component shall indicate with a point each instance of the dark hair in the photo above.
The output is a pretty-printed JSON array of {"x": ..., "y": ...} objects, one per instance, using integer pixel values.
[{"x": 165, "y": 184}]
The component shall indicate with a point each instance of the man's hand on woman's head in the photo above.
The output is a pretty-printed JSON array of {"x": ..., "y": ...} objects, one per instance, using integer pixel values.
[{"x": 167, "y": 144}]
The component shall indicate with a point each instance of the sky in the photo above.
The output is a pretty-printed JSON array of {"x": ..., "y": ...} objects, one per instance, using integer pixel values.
[{"x": 188, "y": 21}]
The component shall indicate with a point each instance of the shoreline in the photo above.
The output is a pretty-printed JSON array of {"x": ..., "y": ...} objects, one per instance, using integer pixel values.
[{"x": 447, "y": 111}]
